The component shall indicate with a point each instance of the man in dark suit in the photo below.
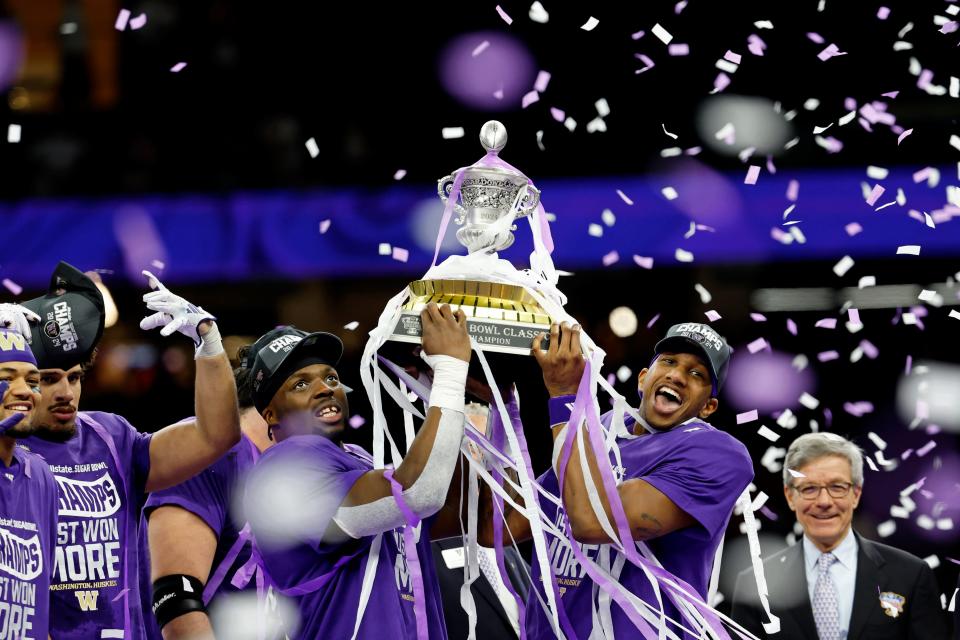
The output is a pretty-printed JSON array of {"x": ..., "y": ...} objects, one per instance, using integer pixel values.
[
  {"x": 497, "y": 612},
  {"x": 836, "y": 584}
]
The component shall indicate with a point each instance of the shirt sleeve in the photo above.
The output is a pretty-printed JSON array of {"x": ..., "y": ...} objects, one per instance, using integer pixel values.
[
  {"x": 705, "y": 474},
  {"x": 205, "y": 495}
]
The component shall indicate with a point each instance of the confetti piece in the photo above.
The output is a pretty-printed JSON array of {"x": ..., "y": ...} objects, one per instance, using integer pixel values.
[
  {"x": 672, "y": 135},
  {"x": 480, "y": 48},
  {"x": 324, "y": 225},
  {"x": 815, "y": 38},
  {"x": 831, "y": 51},
  {"x": 954, "y": 87},
  {"x": 831, "y": 144},
  {"x": 796, "y": 474},
  {"x": 932, "y": 561},
  {"x": 854, "y": 316},
  {"x": 498, "y": 94},
  {"x": 637, "y": 35},
  {"x": 712, "y": 315},
  {"x": 682, "y": 255},
  {"x": 759, "y": 501},
  {"x": 705, "y": 296},
  {"x": 721, "y": 82},
  {"x": 357, "y": 421},
  {"x": 608, "y": 217},
  {"x": 538, "y": 13},
  {"x": 755, "y": 45},
  {"x": 540, "y": 140},
  {"x": 879, "y": 173},
  {"x": 611, "y": 258},
  {"x": 928, "y": 295},
  {"x": 643, "y": 261},
  {"x": 809, "y": 401},
  {"x": 858, "y": 409},
  {"x": 399, "y": 174},
  {"x": 827, "y": 356},
  {"x": 653, "y": 320},
  {"x": 597, "y": 124},
  {"x": 557, "y": 114},
  {"x": 908, "y": 366},
  {"x": 543, "y": 79},
  {"x": 763, "y": 24},
  {"x": 312, "y": 148},
  {"x": 875, "y": 194},
  {"x": 867, "y": 281},
  {"x": 768, "y": 433},
  {"x": 758, "y": 317},
  {"x": 595, "y": 230},
  {"x": 138, "y": 22},
  {"x": 158, "y": 264},
  {"x": 529, "y": 98},
  {"x": 648, "y": 63},
  {"x": 791, "y": 326},
  {"x": 602, "y": 107},
  {"x": 503, "y": 14},
  {"x": 955, "y": 314},
  {"x": 955, "y": 141},
  {"x": 927, "y": 448},
  {"x": 13, "y": 133},
  {"x": 624, "y": 197},
  {"x": 662, "y": 34},
  {"x": 624, "y": 374},
  {"x": 177, "y": 68},
  {"x": 826, "y": 323},
  {"x": 669, "y": 193},
  {"x": 590, "y": 24},
  {"x": 747, "y": 416},
  {"x": 757, "y": 345},
  {"x": 451, "y": 133},
  {"x": 886, "y": 529},
  {"x": 752, "y": 174},
  {"x": 909, "y": 249},
  {"x": 384, "y": 249},
  {"x": 877, "y": 440},
  {"x": 12, "y": 286},
  {"x": 903, "y": 135},
  {"x": 122, "y": 18},
  {"x": 678, "y": 49},
  {"x": 400, "y": 255},
  {"x": 844, "y": 265}
]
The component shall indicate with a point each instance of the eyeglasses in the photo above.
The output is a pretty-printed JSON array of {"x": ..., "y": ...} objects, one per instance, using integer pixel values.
[{"x": 834, "y": 490}]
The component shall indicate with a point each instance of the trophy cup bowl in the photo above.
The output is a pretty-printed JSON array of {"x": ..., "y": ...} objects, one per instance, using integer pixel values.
[{"x": 501, "y": 316}]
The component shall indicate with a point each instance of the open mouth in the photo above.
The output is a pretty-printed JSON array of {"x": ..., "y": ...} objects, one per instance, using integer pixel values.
[
  {"x": 330, "y": 414},
  {"x": 23, "y": 407},
  {"x": 824, "y": 517},
  {"x": 667, "y": 400}
]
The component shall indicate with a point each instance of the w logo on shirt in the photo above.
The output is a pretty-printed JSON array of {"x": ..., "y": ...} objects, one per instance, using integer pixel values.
[
  {"x": 21, "y": 558},
  {"x": 87, "y": 600}
]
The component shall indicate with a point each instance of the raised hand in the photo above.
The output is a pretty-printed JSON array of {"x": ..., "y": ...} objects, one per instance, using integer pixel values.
[
  {"x": 445, "y": 332},
  {"x": 17, "y": 318},
  {"x": 173, "y": 313},
  {"x": 562, "y": 362}
]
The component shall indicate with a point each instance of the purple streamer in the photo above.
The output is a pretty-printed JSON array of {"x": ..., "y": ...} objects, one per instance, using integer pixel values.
[{"x": 413, "y": 561}]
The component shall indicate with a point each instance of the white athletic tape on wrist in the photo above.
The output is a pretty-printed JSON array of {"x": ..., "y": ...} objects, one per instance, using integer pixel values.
[
  {"x": 449, "y": 381},
  {"x": 210, "y": 343}
]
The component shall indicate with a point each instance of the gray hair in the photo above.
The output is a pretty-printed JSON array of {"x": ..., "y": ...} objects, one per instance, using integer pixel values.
[{"x": 811, "y": 446}]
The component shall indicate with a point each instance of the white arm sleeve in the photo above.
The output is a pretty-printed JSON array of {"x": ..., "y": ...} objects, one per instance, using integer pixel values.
[{"x": 424, "y": 497}]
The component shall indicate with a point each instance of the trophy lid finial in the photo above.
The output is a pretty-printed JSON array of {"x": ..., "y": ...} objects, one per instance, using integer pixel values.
[{"x": 493, "y": 136}]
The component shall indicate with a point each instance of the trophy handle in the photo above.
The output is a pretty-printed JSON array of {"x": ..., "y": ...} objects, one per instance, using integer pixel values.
[
  {"x": 529, "y": 202},
  {"x": 444, "y": 187}
]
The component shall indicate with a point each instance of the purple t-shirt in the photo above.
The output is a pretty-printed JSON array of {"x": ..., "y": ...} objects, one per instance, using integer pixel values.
[
  {"x": 703, "y": 471},
  {"x": 28, "y": 532},
  {"x": 209, "y": 496},
  {"x": 330, "y": 611},
  {"x": 97, "y": 552}
]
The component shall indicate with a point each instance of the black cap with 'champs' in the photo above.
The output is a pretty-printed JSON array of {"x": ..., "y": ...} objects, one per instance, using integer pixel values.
[{"x": 701, "y": 340}]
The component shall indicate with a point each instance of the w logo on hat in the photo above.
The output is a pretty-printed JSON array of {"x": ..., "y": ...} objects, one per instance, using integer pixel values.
[{"x": 12, "y": 341}]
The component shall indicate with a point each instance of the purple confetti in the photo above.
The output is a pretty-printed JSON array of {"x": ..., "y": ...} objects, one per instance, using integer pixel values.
[
  {"x": 637, "y": 35},
  {"x": 831, "y": 51},
  {"x": 646, "y": 61},
  {"x": 791, "y": 326},
  {"x": 400, "y": 255},
  {"x": 890, "y": 94},
  {"x": 747, "y": 416},
  {"x": 883, "y": 13},
  {"x": 712, "y": 315},
  {"x": 122, "y": 19},
  {"x": 909, "y": 366},
  {"x": 758, "y": 317},
  {"x": 815, "y": 37},
  {"x": 730, "y": 56},
  {"x": 529, "y": 98},
  {"x": 680, "y": 6},
  {"x": 826, "y": 323},
  {"x": 324, "y": 225},
  {"x": 12, "y": 286},
  {"x": 752, "y": 174},
  {"x": 853, "y": 229},
  {"x": 827, "y": 417},
  {"x": 721, "y": 82},
  {"x": 854, "y": 316},
  {"x": 503, "y": 14},
  {"x": 653, "y": 320},
  {"x": 875, "y": 194},
  {"x": 793, "y": 190},
  {"x": 643, "y": 262},
  {"x": 139, "y": 22},
  {"x": 678, "y": 49},
  {"x": 357, "y": 421},
  {"x": 757, "y": 345},
  {"x": 827, "y": 356},
  {"x": 869, "y": 349},
  {"x": 177, "y": 68},
  {"x": 558, "y": 114},
  {"x": 755, "y": 45},
  {"x": 925, "y": 449},
  {"x": 903, "y": 135},
  {"x": 949, "y": 27},
  {"x": 480, "y": 48},
  {"x": 543, "y": 79},
  {"x": 858, "y": 409}
]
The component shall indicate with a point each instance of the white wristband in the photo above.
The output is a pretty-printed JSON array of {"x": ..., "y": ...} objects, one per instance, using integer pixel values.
[
  {"x": 210, "y": 343},
  {"x": 449, "y": 381}
]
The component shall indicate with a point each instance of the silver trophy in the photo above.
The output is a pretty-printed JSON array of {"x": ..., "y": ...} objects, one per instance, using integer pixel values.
[{"x": 501, "y": 316}]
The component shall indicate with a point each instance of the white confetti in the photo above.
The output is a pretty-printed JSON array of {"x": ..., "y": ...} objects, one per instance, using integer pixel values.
[
  {"x": 796, "y": 474},
  {"x": 672, "y": 135},
  {"x": 400, "y": 255},
  {"x": 624, "y": 374},
  {"x": 908, "y": 249},
  {"x": 877, "y": 440},
  {"x": 787, "y": 420},
  {"x": 603, "y": 108},
  {"x": 384, "y": 249},
  {"x": 955, "y": 314},
  {"x": 570, "y": 123},
  {"x": 662, "y": 34},
  {"x": 351, "y": 326},
  {"x": 597, "y": 124},
  {"x": 590, "y": 24},
  {"x": 682, "y": 255},
  {"x": 643, "y": 262},
  {"x": 932, "y": 561},
  {"x": 752, "y": 174},
  {"x": 538, "y": 13},
  {"x": 324, "y": 225},
  {"x": 705, "y": 296},
  {"x": 13, "y": 133},
  {"x": 503, "y": 14},
  {"x": 844, "y": 265},
  {"x": 886, "y": 529},
  {"x": 608, "y": 217},
  {"x": 595, "y": 230},
  {"x": 669, "y": 193},
  {"x": 624, "y": 197},
  {"x": 312, "y": 148},
  {"x": 867, "y": 281},
  {"x": 763, "y": 24},
  {"x": 712, "y": 315},
  {"x": 809, "y": 401},
  {"x": 877, "y": 173},
  {"x": 399, "y": 174},
  {"x": 540, "y": 140},
  {"x": 768, "y": 433},
  {"x": 451, "y": 133}
]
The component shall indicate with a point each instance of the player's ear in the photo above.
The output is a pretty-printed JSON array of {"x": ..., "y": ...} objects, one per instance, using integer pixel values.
[{"x": 708, "y": 408}]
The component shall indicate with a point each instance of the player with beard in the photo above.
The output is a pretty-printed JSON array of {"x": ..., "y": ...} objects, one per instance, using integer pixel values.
[
  {"x": 102, "y": 464},
  {"x": 678, "y": 479},
  {"x": 198, "y": 510},
  {"x": 28, "y": 493},
  {"x": 320, "y": 512}
]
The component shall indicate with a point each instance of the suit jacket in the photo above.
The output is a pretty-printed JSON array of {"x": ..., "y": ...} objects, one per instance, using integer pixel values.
[
  {"x": 880, "y": 569},
  {"x": 492, "y": 621}
]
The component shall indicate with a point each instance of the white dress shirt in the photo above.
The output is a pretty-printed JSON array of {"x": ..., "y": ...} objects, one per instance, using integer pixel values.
[{"x": 843, "y": 572}]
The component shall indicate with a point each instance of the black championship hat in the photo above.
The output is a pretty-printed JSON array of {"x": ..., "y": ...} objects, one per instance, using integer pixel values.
[
  {"x": 71, "y": 319},
  {"x": 280, "y": 352},
  {"x": 702, "y": 340}
]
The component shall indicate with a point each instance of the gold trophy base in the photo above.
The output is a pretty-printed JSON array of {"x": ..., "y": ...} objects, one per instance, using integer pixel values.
[{"x": 501, "y": 317}]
